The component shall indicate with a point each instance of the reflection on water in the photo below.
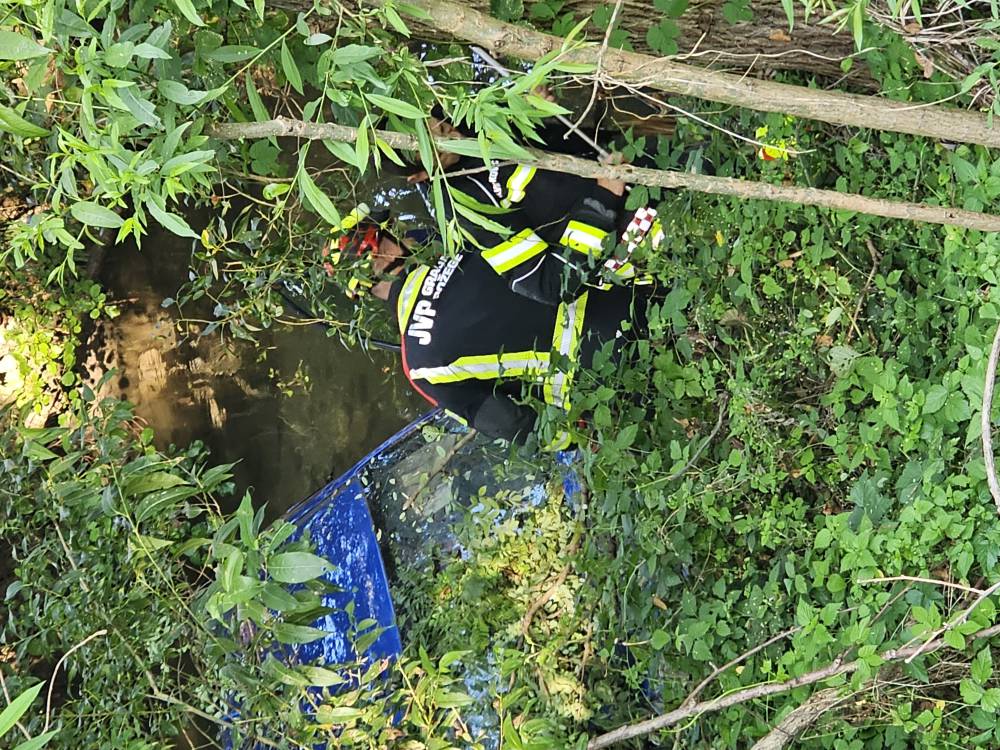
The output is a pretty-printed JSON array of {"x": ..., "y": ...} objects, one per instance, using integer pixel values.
[{"x": 228, "y": 393}]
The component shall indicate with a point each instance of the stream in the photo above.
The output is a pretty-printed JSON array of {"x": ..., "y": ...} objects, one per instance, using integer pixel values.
[{"x": 291, "y": 410}]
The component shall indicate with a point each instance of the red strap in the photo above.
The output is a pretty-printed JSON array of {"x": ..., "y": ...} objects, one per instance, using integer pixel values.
[{"x": 406, "y": 371}]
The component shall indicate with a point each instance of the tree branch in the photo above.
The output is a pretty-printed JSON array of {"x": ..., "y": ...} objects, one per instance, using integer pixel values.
[
  {"x": 987, "y": 419},
  {"x": 800, "y": 719},
  {"x": 877, "y": 113},
  {"x": 283, "y": 126},
  {"x": 835, "y": 669}
]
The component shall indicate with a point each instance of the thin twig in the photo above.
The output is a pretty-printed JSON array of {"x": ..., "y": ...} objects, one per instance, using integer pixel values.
[
  {"x": 6, "y": 694},
  {"x": 723, "y": 403},
  {"x": 987, "y": 421},
  {"x": 837, "y": 668},
  {"x": 52, "y": 679},
  {"x": 918, "y": 579},
  {"x": 571, "y": 549},
  {"x": 876, "y": 258},
  {"x": 600, "y": 64},
  {"x": 956, "y": 622},
  {"x": 732, "y": 663},
  {"x": 464, "y": 441}
]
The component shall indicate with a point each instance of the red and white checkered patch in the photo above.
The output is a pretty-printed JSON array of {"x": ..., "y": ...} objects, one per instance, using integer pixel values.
[{"x": 633, "y": 235}]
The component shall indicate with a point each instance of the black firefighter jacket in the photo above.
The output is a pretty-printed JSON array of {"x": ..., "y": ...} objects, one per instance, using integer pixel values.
[{"x": 530, "y": 306}]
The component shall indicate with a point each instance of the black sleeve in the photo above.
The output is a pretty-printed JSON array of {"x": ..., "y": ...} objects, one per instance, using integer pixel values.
[
  {"x": 551, "y": 271},
  {"x": 500, "y": 417}
]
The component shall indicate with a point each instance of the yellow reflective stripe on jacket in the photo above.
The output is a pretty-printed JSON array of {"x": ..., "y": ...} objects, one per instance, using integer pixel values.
[
  {"x": 486, "y": 367},
  {"x": 354, "y": 218},
  {"x": 517, "y": 183},
  {"x": 565, "y": 341},
  {"x": 408, "y": 296},
  {"x": 560, "y": 442},
  {"x": 583, "y": 238},
  {"x": 509, "y": 254}
]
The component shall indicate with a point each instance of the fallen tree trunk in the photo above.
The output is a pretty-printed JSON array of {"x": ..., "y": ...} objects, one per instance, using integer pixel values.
[
  {"x": 933, "y": 121},
  {"x": 640, "y": 176}
]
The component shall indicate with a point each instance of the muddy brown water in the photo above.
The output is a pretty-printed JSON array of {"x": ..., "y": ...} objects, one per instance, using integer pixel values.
[{"x": 291, "y": 410}]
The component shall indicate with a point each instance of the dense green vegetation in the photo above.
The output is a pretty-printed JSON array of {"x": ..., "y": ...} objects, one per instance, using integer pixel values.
[{"x": 843, "y": 358}]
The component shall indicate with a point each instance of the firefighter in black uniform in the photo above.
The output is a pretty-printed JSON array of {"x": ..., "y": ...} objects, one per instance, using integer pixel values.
[{"x": 532, "y": 305}]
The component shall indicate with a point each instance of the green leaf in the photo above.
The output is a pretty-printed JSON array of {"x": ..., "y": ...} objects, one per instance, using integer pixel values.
[
  {"x": 186, "y": 8},
  {"x": 970, "y": 691},
  {"x": 662, "y": 37},
  {"x": 982, "y": 666},
  {"x": 451, "y": 657},
  {"x": 990, "y": 700},
  {"x": 337, "y": 715},
  {"x": 290, "y": 68},
  {"x": 258, "y": 6},
  {"x": 119, "y": 55},
  {"x": 12, "y": 122},
  {"x": 476, "y": 218},
  {"x": 352, "y": 54},
  {"x": 260, "y": 112},
  {"x": 314, "y": 40},
  {"x": 150, "y": 52},
  {"x": 448, "y": 699},
  {"x": 396, "y": 106},
  {"x": 171, "y": 222},
  {"x": 231, "y": 568},
  {"x": 389, "y": 151},
  {"x": 232, "y": 53},
  {"x": 178, "y": 93},
  {"x": 37, "y": 742},
  {"x": 937, "y": 395},
  {"x": 954, "y": 639},
  {"x": 17, "y": 708},
  {"x": 297, "y": 567},
  {"x": 318, "y": 200},
  {"x": 342, "y": 151},
  {"x": 659, "y": 639},
  {"x": 789, "y": 6},
  {"x": 286, "y": 633},
  {"x": 322, "y": 677},
  {"x": 361, "y": 145},
  {"x": 275, "y": 596},
  {"x": 140, "y": 108},
  {"x": 17, "y": 47},
  {"x": 395, "y": 21},
  {"x": 95, "y": 215},
  {"x": 184, "y": 162}
]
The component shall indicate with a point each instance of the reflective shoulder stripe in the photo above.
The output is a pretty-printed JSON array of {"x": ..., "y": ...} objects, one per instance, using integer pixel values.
[
  {"x": 565, "y": 341},
  {"x": 560, "y": 442},
  {"x": 408, "y": 296},
  {"x": 486, "y": 367},
  {"x": 583, "y": 238},
  {"x": 511, "y": 253},
  {"x": 517, "y": 183}
]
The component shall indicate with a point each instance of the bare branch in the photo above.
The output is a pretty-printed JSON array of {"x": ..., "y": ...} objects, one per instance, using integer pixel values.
[
  {"x": 52, "y": 679},
  {"x": 800, "y": 719},
  {"x": 732, "y": 663},
  {"x": 282, "y": 126},
  {"x": 918, "y": 579},
  {"x": 837, "y": 668},
  {"x": 987, "y": 419},
  {"x": 463, "y": 22}
]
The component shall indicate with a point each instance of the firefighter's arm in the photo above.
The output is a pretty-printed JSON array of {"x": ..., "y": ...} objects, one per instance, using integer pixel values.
[
  {"x": 554, "y": 272},
  {"x": 478, "y": 404}
]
